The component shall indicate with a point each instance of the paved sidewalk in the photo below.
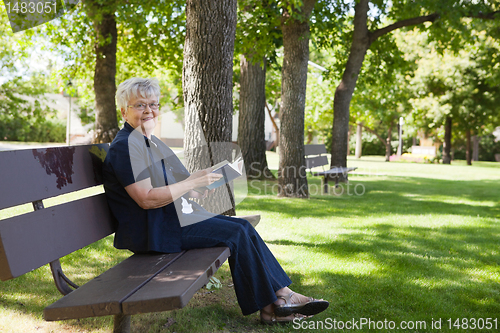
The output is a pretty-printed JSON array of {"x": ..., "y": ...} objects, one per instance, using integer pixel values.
[{"x": 27, "y": 145}]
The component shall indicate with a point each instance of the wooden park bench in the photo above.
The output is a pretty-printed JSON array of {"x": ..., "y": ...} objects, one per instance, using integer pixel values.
[
  {"x": 315, "y": 158},
  {"x": 142, "y": 283}
]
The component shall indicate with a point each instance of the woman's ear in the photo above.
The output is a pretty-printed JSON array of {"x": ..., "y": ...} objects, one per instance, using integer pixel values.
[{"x": 123, "y": 111}]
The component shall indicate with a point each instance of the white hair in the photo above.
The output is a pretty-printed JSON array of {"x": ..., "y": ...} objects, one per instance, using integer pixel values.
[{"x": 134, "y": 88}]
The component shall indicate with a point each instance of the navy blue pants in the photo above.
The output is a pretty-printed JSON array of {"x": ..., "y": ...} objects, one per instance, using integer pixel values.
[{"x": 256, "y": 273}]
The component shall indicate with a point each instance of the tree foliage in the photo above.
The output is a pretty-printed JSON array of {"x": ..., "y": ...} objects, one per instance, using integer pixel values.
[{"x": 23, "y": 113}]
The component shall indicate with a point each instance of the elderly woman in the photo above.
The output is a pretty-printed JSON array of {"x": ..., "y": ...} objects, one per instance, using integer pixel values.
[{"x": 143, "y": 190}]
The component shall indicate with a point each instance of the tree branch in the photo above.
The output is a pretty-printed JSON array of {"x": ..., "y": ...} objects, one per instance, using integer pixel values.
[
  {"x": 487, "y": 16},
  {"x": 400, "y": 24},
  {"x": 375, "y": 133}
]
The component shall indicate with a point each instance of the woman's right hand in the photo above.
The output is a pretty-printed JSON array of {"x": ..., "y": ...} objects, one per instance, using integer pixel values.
[{"x": 204, "y": 177}]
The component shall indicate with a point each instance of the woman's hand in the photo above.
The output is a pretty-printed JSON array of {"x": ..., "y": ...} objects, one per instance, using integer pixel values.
[{"x": 204, "y": 177}]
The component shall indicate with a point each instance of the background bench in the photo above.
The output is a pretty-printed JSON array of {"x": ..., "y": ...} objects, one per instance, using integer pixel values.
[
  {"x": 315, "y": 157},
  {"x": 139, "y": 284}
]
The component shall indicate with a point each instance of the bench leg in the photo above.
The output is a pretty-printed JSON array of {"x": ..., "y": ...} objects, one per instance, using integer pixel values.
[
  {"x": 122, "y": 324},
  {"x": 325, "y": 185}
]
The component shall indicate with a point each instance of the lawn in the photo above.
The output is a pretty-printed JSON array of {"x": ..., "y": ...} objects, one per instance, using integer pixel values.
[{"x": 402, "y": 245}]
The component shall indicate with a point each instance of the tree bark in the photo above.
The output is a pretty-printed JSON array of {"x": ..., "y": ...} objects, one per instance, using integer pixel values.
[
  {"x": 388, "y": 145},
  {"x": 447, "y": 141},
  {"x": 344, "y": 91},
  {"x": 468, "y": 155},
  {"x": 359, "y": 141},
  {"x": 292, "y": 175},
  {"x": 361, "y": 42},
  {"x": 207, "y": 85},
  {"x": 104, "y": 20},
  {"x": 386, "y": 142},
  {"x": 251, "y": 119},
  {"x": 475, "y": 148}
]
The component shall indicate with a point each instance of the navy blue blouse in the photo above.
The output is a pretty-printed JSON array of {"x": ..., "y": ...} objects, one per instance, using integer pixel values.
[{"x": 131, "y": 158}]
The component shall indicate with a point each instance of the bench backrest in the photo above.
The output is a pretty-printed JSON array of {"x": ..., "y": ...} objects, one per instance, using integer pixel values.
[
  {"x": 34, "y": 239},
  {"x": 314, "y": 157}
]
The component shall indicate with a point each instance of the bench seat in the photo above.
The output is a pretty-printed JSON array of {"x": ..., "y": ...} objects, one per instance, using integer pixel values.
[
  {"x": 140, "y": 284},
  {"x": 314, "y": 158}
]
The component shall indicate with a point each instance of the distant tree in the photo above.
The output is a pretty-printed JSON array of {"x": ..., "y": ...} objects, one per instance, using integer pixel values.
[
  {"x": 129, "y": 38},
  {"x": 24, "y": 115},
  {"x": 367, "y": 30},
  {"x": 295, "y": 27},
  {"x": 256, "y": 36},
  {"x": 458, "y": 91}
]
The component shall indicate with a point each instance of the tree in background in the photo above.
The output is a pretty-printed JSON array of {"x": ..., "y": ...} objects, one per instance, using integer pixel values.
[
  {"x": 23, "y": 115},
  {"x": 256, "y": 37},
  {"x": 295, "y": 28},
  {"x": 103, "y": 18},
  {"x": 456, "y": 91},
  {"x": 130, "y": 38},
  {"x": 366, "y": 30},
  {"x": 207, "y": 81}
]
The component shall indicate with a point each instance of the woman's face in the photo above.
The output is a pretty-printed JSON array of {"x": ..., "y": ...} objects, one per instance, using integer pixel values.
[{"x": 145, "y": 119}]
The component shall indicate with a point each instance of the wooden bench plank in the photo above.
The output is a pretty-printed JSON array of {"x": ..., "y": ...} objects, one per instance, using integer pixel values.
[
  {"x": 36, "y": 174},
  {"x": 334, "y": 172},
  {"x": 314, "y": 149},
  {"x": 252, "y": 219},
  {"x": 176, "y": 285},
  {"x": 34, "y": 239},
  {"x": 312, "y": 162},
  {"x": 103, "y": 295}
]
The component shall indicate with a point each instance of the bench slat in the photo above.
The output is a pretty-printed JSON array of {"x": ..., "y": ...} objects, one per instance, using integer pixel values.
[
  {"x": 35, "y": 174},
  {"x": 333, "y": 172},
  {"x": 34, "y": 239},
  {"x": 103, "y": 295},
  {"x": 176, "y": 285},
  {"x": 314, "y": 149},
  {"x": 312, "y": 162}
]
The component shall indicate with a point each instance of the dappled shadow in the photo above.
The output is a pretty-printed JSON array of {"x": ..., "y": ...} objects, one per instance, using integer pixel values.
[
  {"x": 405, "y": 271},
  {"x": 390, "y": 195}
]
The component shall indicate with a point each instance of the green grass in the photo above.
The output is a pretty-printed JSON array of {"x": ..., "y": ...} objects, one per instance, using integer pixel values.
[{"x": 418, "y": 242}]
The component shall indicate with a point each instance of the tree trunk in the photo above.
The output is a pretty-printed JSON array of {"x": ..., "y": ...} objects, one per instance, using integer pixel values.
[
  {"x": 386, "y": 142},
  {"x": 359, "y": 141},
  {"x": 361, "y": 40},
  {"x": 447, "y": 141},
  {"x": 292, "y": 174},
  {"x": 468, "y": 154},
  {"x": 344, "y": 91},
  {"x": 475, "y": 148},
  {"x": 207, "y": 85},
  {"x": 251, "y": 134},
  {"x": 388, "y": 146},
  {"x": 104, "y": 20}
]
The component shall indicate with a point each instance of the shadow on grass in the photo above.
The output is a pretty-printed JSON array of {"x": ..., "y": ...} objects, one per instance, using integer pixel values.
[
  {"x": 391, "y": 195},
  {"x": 411, "y": 272}
]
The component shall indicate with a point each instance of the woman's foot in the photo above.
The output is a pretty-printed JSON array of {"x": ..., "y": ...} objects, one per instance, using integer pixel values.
[
  {"x": 269, "y": 318},
  {"x": 290, "y": 303}
]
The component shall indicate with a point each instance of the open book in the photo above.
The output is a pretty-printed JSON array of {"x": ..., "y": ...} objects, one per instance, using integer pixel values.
[{"x": 229, "y": 172}]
